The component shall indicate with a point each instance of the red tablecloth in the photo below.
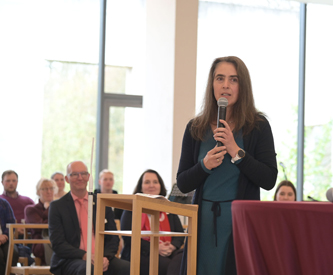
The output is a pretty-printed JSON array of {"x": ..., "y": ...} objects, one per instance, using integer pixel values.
[{"x": 283, "y": 238}]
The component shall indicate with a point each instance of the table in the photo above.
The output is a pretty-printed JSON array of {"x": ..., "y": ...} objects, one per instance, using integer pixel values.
[
  {"x": 283, "y": 238},
  {"x": 139, "y": 204}
]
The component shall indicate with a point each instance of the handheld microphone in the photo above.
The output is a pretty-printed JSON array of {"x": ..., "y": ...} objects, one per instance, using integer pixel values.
[
  {"x": 329, "y": 194},
  {"x": 222, "y": 104},
  {"x": 284, "y": 169}
]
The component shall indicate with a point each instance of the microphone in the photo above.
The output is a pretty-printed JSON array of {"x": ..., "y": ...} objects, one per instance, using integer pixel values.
[
  {"x": 222, "y": 104},
  {"x": 284, "y": 169},
  {"x": 312, "y": 199},
  {"x": 329, "y": 194}
]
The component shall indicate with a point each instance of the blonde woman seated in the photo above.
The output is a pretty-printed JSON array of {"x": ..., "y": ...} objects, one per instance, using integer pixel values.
[
  {"x": 170, "y": 253},
  {"x": 39, "y": 213},
  {"x": 59, "y": 179}
]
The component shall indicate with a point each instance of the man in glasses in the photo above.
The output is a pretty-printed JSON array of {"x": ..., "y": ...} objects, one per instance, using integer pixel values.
[{"x": 68, "y": 229}]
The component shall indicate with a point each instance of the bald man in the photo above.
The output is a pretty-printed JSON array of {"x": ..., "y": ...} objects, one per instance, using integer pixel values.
[{"x": 67, "y": 235}]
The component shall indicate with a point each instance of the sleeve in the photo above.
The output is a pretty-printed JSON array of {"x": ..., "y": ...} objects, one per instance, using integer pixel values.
[
  {"x": 111, "y": 242},
  {"x": 9, "y": 216},
  {"x": 261, "y": 168},
  {"x": 176, "y": 226},
  {"x": 190, "y": 173},
  {"x": 57, "y": 225},
  {"x": 33, "y": 215}
]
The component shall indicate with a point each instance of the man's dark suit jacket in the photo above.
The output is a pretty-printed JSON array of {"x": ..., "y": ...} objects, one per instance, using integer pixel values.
[{"x": 64, "y": 231}]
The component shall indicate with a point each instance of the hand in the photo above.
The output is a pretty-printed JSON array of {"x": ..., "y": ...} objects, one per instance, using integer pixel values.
[
  {"x": 166, "y": 249},
  {"x": 105, "y": 261},
  {"x": 105, "y": 264},
  {"x": 214, "y": 157},
  {"x": 226, "y": 136},
  {"x": 3, "y": 239},
  {"x": 20, "y": 231}
]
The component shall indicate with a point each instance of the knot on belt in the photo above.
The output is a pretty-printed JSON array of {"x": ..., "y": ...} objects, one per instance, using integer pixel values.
[{"x": 216, "y": 209}]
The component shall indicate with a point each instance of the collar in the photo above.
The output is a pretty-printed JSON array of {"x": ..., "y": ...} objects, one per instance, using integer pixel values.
[
  {"x": 5, "y": 194},
  {"x": 75, "y": 198}
]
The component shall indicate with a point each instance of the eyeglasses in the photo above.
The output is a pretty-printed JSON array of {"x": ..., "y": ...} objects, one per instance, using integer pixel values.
[
  {"x": 76, "y": 175},
  {"x": 47, "y": 189}
]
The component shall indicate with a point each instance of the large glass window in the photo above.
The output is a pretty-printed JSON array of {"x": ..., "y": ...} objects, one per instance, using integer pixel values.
[
  {"x": 265, "y": 35},
  {"x": 49, "y": 55},
  {"x": 318, "y": 166}
]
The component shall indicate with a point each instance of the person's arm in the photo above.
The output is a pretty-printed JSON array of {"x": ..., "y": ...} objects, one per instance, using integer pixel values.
[
  {"x": 176, "y": 226},
  {"x": 190, "y": 172},
  {"x": 34, "y": 215},
  {"x": 57, "y": 224},
  {"x": 9, "y": 216},
  {"x": 261, "y": 169},
  {"x": 111, "y": 242}
]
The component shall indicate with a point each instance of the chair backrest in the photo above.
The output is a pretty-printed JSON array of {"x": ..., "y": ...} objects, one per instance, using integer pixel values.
[{"x": 12, "y": 240}]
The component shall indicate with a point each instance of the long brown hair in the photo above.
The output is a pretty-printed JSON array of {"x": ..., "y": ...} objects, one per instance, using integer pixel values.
[{"x": 244, "y": 113}]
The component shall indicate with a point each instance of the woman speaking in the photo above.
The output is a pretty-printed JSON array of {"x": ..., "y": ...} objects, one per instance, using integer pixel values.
[{"x": 236, "y": 170}]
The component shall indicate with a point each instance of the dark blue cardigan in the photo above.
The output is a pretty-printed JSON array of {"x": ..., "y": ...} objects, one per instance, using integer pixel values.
[{"x": 257, "y": 169}]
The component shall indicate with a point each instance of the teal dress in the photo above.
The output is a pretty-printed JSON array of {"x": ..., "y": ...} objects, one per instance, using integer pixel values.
[{"x": 220, "y": 188}]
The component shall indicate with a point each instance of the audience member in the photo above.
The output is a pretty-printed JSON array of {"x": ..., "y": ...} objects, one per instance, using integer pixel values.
[
  {"x": 59, "y": 179},
  {"x": 285, "y": 191},
  {"x": 6, "y": 216},
  {"x": 68, "y": 229},
  {"x": 106, "y": 182},
  {"x": 39, "y": 213},
  {"x": 9, "y": 181},
  {"x": 170, "y": 254}
]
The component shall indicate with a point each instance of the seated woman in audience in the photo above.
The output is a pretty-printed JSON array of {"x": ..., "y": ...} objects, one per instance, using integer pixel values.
[
  {"x": 39, "y": 213},
  {"x": 59, "y": 179},
  {"x": 170, "y": 253},
  {"x": 285, "y": 191}
]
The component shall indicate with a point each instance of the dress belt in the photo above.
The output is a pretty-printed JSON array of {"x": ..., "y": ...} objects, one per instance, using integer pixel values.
[{"x": 216, "y": 208}]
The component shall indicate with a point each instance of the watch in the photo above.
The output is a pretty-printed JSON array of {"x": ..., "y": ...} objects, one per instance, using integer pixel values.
[{"x": 240, "y": 154}]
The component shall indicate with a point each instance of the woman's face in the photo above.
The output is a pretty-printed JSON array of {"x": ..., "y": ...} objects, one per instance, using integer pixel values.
[
  {"x": 46, "y": 192},
  {"x": 285, "y": 193},
  {"x": 60, "y": 181},
  {"x": 225, "y": 82},
  {"x": 150, "y": 184}
]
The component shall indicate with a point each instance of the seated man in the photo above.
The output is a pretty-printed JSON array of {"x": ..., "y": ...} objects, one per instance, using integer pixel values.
[
  {"x": 6, "y": 216},
  {"x": 106, "y": 182},
  {"x": 68, "y": 229},
  {"x": 17, "y": 202}
]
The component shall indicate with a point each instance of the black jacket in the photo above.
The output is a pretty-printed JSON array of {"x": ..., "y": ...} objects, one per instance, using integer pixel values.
[{"x": 64, "y": 231}]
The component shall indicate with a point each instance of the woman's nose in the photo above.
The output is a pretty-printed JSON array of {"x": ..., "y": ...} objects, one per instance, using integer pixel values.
[{"x": 226, "y": 83}]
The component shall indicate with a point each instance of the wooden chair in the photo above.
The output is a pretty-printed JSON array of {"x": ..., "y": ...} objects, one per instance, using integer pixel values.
[
  {"x": 24, "y": 270},
  {"x": 26, "y": 235}
]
